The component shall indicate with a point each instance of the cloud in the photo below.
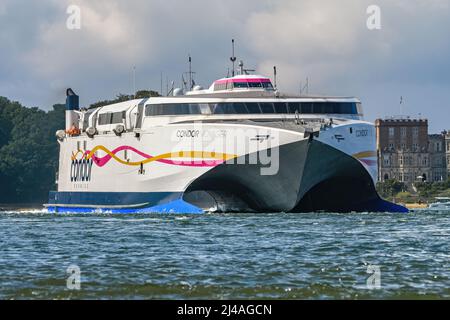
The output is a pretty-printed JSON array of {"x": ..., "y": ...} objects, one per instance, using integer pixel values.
[{"x": 324, "y": 40}]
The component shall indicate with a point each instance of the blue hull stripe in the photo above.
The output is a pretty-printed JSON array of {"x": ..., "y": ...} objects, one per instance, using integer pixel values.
[
  {"x": 155, "y": 202},
  {"x": 173, "y": 207},
  {"x": 112, "y": 198}
]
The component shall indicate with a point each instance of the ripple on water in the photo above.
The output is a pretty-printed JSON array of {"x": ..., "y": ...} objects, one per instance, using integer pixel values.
[{"x": 225, "y": 256}]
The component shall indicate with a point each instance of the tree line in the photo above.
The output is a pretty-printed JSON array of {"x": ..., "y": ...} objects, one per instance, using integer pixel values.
[{"x": 28, "y": 151}]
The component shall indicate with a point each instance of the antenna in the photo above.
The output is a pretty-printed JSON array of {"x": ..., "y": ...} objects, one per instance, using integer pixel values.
[
  {"x": 243, "y": 71},
  {"x": 190, "y": 75},
  {"x": 275, "y": 76},
  {"x": 161, "y": 92},
  {"x": 134, "y": 81},
  {"x": 171, "y": 89},
  {"x": 401, "y": 105},
  {"x": 232, "y": 58},
  {"x": 167, "y": 85},
  {"x": 190, "y": 72},
  {"x": 304, "y": 88}
]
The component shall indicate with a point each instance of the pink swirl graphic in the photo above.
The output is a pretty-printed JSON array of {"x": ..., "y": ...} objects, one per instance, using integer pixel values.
[{"x": 101, "y": 161}]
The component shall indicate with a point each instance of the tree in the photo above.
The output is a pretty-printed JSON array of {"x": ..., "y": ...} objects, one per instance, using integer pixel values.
[
  {"x": 390, "y": 188},
  {"x": 28, "y": 151}
]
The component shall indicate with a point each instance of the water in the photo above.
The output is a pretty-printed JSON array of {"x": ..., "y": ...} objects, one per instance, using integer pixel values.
[{"x": 227, "y": 256}]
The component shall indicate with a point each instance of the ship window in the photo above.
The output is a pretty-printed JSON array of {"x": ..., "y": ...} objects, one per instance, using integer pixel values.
[
  {"x": 253, "y": 107},
  {"x": 117, "y": 117},
  {"x": 280, "y": 107},
  {"x": 240, "y": 84},
  {"x": 307, "y": 107},
  {"x": 229, "y": 108},
  {"x": 346, "y": 108},
  {"x": 86, "y": 117},
  {"x": 104, "y": 118},
  {"x": 328, "y": 108},
  {"x": 254, "y": 84},
  {"x": 267, "y": 85},
  {"x": 243, "y": 108},
  {"x": 267, "y": 107},
  {"x": 172, "y": 109},
  {"x": 240, "y": 108},
  {"x": 294, "y": 107}
]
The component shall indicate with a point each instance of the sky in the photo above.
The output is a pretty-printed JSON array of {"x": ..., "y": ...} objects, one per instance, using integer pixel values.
[{"x": 326, "y": 41}]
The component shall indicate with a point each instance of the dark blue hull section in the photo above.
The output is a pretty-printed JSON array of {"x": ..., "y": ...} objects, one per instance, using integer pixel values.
[{"x": 120, "y": 202}]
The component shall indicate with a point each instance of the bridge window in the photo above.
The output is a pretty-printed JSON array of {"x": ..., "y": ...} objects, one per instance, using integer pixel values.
[
  {"x": 240, "y": 84},
  {"x": 267, "y": 85},
  {"x": 255, "y": 85}
]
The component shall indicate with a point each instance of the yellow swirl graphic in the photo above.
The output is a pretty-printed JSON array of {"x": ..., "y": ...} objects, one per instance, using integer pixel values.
[
  {"x": 178, "y": 154},
  {"x": 365, "y": 154}
]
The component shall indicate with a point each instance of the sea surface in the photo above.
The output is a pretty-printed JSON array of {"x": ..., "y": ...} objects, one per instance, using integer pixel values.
[{"x": 225, "y": 256}]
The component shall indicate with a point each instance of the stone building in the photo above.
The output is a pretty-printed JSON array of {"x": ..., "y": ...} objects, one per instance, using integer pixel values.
[
  {"x": 403, "y": 150},
  {"x": 438, "y": 161},
  {"x": 447, "y": 148}
]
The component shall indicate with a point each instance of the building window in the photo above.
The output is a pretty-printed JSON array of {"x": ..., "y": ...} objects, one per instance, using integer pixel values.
[
  {"x": 400, "y": 160},
  {"x": 386, "y": 160},
  {"x": 391, "y": 132},
  {"x": 386, "y": 177},
  {"x": 391, "y": 146},
  {"x": 403, "y": 132},
  {"x": 415, "y": 132},
  {"x": 403, "y": 146}
]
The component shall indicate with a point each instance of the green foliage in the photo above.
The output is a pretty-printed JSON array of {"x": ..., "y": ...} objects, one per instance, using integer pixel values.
[
  {"x": 431, "y": 190},
  {"x": 426, "y": 191},
  {"x": 406, "y": 197},
  {"x": 390, "y": 188},
  {"x": 28, "y": 151}
]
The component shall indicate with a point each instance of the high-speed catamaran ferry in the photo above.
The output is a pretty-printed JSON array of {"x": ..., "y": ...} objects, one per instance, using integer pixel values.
[{"x": 238, "y": 146}]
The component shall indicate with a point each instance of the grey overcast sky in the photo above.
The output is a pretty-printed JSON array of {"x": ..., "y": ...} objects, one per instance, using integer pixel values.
[{"x": 327, "y": 41}]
